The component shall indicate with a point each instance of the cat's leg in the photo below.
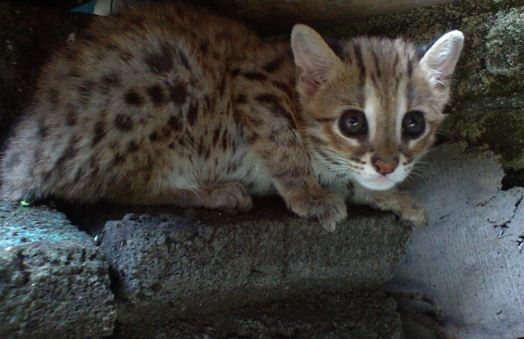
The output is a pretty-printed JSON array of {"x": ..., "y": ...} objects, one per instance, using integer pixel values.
[
  {"x": 393, "y": 200},
  {"x": 225, "y": 196},
  {"x": 269, "y": 130}
]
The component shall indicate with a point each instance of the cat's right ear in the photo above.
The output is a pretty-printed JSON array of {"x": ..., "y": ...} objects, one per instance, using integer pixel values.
[{"x": 312, "y": 56}]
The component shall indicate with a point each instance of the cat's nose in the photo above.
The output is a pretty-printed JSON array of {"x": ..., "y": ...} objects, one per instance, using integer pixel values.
[{"x": 385, "y": 167}]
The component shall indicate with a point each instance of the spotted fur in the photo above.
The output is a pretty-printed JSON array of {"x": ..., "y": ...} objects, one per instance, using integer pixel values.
[{"x": 169, "y": 104}]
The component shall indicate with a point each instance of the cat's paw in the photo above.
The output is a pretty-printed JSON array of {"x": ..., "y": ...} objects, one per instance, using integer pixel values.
[
  {"x": 414, "y": 213},
  {"x": 328, "y": 208},
  {"x": 228, "y": 197}
]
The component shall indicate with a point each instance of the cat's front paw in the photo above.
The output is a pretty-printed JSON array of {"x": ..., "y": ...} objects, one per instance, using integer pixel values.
[
  {"x": 328, "y": 208},
  {"x": 414, "y": 213}
]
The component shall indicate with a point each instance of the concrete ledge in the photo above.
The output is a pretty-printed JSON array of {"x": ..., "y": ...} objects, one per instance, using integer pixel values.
[
  {"x": 328, "y": 316},
  {"x": 168, "y": 266},
  {"x": 53, "y": 280}
]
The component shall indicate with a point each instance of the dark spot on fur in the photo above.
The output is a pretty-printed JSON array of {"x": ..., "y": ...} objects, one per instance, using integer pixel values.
[
  {"x": 255, "y": 122},
  {"x": 200, "y": 149},
  {"x": 85, "y": 90},
  {"x": 360, "y": 63},
  {"x": 174, "y": 123},
  {"x": 222, "y": 86},
  {"x": 69, "y": 153},
  {"x": 178, "y": 93},
  {"x": 216, "y": 135},
  {"x": 53, "y": 97},
  {"x": 284, "y": 88},
  {"x": 119, "y": 159},
  {"x": 137, "y": 21},
  {"x": 71, "y": 117},
  {"x": 225, "y": 138},
  {"x": 123, "y": 122},
  {"x": 255, "y": 76},
  {"x": 132, "y": 147},
  {"x": 88, "y": 36},
  {"x": 207, "y": 101},
  {"x": 133, "y": 98},
  {"x": 204, "y": 47},
  {"x": 224, "y": 36},
  {"x": 43, "y": 131},
  {"x": 241, "y": 99},
  {"x": 153, "y": 136},
  {"x": 74, "y": 73},
  {"x": 160, "y": 62},
  {"x": 99, "y": 132},
  {"x": 377, "y": 64},
  {"x": 235, "y": 72},
  {"x": 126, "y": 56},
  {"x": 156, "y": 94},
  {"x": 111, "y": 80},
  {"x": 274, "y": 65},
  {"x": 410, "y": 67},
  {"x": 252, "y": 137},
  {"x": 192, "y": 113},
  {"x": 111, "y": 46},
  {"x": 272, "y": 102}
]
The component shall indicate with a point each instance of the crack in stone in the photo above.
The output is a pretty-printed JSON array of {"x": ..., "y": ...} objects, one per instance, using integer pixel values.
[
  {"x": 505, "y": 225},
  {"x": 520, "y": 243}
]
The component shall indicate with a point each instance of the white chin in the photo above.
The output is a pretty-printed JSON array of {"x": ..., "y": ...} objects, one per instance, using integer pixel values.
[{"x": 376, "y": 184}]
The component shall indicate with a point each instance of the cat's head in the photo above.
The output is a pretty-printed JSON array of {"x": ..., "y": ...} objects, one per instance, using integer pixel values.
[{"x": 371, "y": 106}]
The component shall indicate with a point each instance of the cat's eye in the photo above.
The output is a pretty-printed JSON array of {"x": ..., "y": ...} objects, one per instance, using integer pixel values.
[
  {"x": 413, "y": 124},
  {"x": 353, "y": 123}
]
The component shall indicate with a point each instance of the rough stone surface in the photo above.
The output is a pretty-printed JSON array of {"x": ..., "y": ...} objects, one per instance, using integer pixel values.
[
  {"x": 54, "y": 282},
  {"x": 171, "y": 265},
  {"x": 318, "y": 12},
  {"x": 475, "y": 268},
  {"x": 334, "y": 316},
  {"x": 505, "y": 38}
]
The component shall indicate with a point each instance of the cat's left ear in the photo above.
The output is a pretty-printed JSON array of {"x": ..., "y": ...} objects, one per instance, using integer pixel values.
[
  {"x": 313, "y": 57},
  {"x": 440, "y": 60}
]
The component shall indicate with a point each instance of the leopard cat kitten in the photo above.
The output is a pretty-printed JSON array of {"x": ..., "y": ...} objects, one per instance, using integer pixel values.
[{"x": 169, "y": 104}]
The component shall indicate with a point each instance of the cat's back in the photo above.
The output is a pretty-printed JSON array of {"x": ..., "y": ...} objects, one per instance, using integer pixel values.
[{"x": 112, "y": 103}]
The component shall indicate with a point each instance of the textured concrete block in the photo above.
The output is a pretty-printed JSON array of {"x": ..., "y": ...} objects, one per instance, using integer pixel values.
[
  {"x": 504, "y": 43},
  {"x": 171, "y": 265},
  {"x": 470, "y": 256},
  {"x": 53, "y": 280},
  {"x": 333, "y": 316}
]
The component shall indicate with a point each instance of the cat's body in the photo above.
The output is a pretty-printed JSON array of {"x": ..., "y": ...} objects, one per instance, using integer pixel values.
[{"x": 172, "y": 105}]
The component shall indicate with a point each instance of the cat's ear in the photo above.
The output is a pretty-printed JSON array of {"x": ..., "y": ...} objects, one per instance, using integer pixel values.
[
  {"x": 312, "y": 56},
  {"x": 441, "y": 58}
]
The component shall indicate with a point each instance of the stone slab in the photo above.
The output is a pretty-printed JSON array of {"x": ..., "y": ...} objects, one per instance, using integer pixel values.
[
  {"x": 171, "y": 265},
  {"x": 334, "y": 316},
  {"x": 54, "y": 282},
  {"x": 470, "y": 258}
]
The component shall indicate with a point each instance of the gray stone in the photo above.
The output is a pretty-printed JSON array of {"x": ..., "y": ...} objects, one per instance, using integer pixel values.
[
  {"x": 505, "y": 43},
  {"x": 335, "y": 316},
  {"x": 53, "y": 280},
  {"x": 166, "y": 266},
  {"x": 470, "y": 257}
]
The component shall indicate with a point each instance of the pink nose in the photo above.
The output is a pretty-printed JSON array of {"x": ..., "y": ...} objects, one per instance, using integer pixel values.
[{"x": 385, "y": 167}]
